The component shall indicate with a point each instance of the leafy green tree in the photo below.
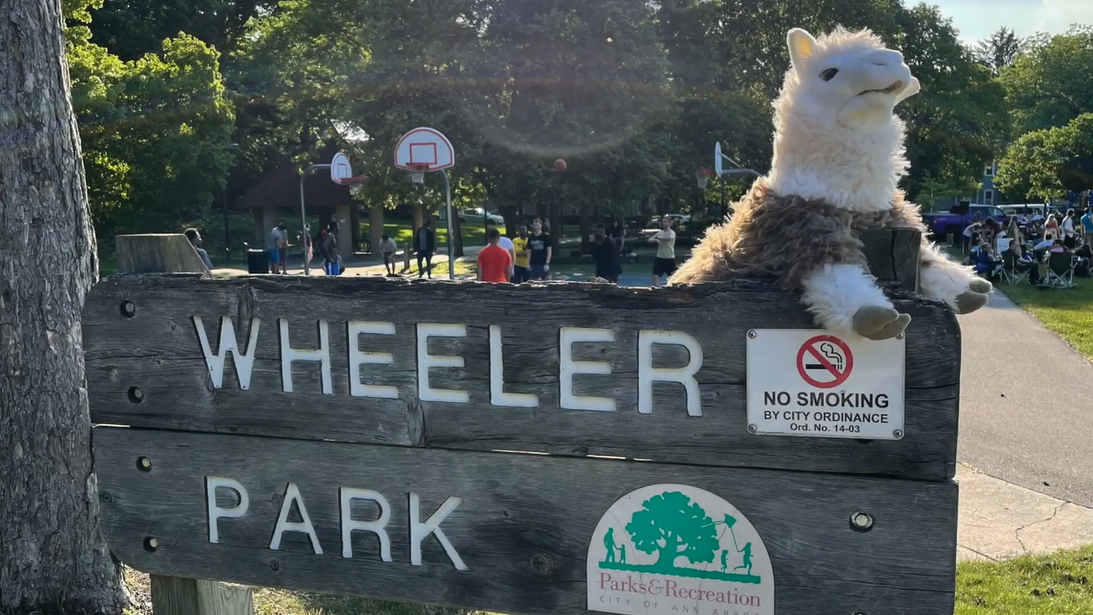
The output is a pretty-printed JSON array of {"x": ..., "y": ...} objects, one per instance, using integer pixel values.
[
  {"x": 1045, "y": 164},
  {"x": 999, "y": 50},
  {"x": 153, "y": 131},
  {"x": 1047, "y": 86},
  {"x": 133, "y": 28},
  {"x": 671, "y": 525},
  {"x": 960, "y": 121}
]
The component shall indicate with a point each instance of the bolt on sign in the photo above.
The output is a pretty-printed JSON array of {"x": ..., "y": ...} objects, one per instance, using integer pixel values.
[
  {"x": 809, "y": 383},
  {"x": 532, "y": 450}
]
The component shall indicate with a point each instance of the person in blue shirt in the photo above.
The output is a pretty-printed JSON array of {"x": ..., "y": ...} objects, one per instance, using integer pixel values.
[{"x": 1087, "y": 225}]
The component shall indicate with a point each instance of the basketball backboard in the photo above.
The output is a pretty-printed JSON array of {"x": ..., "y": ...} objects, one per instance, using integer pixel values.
[
  {"x": 717, "y": 166},
  {"x": 424, "y": 149},
  {"x": 340, "y": 169}
]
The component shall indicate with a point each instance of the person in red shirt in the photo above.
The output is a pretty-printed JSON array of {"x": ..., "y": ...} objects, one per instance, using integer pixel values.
[{"x": 494, "y": 262}]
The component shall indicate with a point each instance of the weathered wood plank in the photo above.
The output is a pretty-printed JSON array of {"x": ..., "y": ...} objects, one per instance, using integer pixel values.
[
  {"x": 893, "y": 256},
  {"x": 158, "y": 253},
  {"x": 157, "y": 350},
  {"x": 522, "y": 529},
  {"x": 179, "y": 596}
]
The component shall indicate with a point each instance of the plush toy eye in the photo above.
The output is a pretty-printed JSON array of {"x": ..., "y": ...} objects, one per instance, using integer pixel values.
[{"x": 828, "y": 74}]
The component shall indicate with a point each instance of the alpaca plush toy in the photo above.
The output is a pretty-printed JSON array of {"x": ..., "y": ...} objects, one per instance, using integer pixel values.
[{"x": 838, "y": 155}]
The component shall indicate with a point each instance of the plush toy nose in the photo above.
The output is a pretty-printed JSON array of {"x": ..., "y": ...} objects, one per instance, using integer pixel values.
[{"x": 887, "y": 57}]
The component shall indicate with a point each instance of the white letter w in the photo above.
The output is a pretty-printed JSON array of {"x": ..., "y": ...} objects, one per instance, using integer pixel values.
[{"x": 215, "y": 362}]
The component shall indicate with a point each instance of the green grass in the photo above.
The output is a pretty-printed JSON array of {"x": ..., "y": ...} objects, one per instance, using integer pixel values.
[
  {"x": 1068, "y": 312},
  {"x": 1057, "y": 584},
  {"x": 402, "y": 232}
]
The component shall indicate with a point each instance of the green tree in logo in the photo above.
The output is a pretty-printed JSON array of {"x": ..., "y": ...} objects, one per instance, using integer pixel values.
[{"x": 671, "y": 525}]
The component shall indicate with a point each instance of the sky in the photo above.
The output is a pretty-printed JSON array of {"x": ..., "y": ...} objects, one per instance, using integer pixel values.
[{"x": 977, "y": 19}]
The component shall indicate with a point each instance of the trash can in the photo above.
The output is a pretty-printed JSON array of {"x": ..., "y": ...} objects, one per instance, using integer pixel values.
[{"x": 257, "y": 261}]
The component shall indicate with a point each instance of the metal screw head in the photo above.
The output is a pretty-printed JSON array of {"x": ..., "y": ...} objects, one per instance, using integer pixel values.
[
  {"x": 150, "y": 544},
  {"x": 752, "y": 334},
  {"x": 144, "y": 464},
  {"x": 542, "y": 564},
  {"x": 861, "y": 521},
  {"x": 128, "y": 309},
  {"x": 752, "y": 428},
  {"x": 901, "y": 336},
  {"x": 898, "y": 434}
]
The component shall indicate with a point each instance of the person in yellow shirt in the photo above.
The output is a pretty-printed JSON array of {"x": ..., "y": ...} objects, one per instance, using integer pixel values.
[{"x": 520, "y": 246}]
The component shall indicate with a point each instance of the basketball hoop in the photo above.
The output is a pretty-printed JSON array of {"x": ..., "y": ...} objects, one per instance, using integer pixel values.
[
  {"x": 349, "y": 181},
  {"x": 417, "y": 173},
  {"x": 703, "y": 177}
]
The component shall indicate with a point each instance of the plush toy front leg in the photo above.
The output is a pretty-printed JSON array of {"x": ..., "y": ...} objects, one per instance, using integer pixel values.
[
  {"x": 845, "y": 299},
  {"x": 956, "y": 285}
]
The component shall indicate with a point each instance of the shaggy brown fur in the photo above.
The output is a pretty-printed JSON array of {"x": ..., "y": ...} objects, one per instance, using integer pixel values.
[{"x": 788, "y": 237}]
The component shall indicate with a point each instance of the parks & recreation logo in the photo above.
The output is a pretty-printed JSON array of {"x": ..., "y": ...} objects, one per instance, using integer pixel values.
[{"x": 678, "y": 549}]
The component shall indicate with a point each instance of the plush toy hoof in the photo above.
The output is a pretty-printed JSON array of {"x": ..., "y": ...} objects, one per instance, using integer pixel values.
[
  {"x": 979, "y": 285},
  {"x": 970, "y": 301},
  {"x": 880, "y": 323}
]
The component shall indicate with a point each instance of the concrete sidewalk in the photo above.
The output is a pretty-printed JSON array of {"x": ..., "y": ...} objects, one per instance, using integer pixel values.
[{"x": 1000, "y": 520}]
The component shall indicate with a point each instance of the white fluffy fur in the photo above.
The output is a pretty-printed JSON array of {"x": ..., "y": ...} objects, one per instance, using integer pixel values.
[
  {"x": 830, "y": 142},
  {"x": 835, "y": 293},
  {"x": 839, "y": 141},
  {"x": 942, "y": 278}
]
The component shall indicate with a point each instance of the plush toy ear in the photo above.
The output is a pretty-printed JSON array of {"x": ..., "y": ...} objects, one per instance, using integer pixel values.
[
  {"x": 801, "y": 47},
  {"x": 910, "y": 91}
]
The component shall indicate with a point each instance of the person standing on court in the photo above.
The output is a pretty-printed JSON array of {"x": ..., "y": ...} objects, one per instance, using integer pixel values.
[
  {"x": 388, "y": 248},
  {"x": 279, "y": 249},
  {"x": 665, "y": 240},
  {"x": 494, "y": 262},
  {"x": 522, "y": 252},
  {"x": 541, "y": 250},
  {"x": 506, "y": 244},
  {"x": 606, "y": 256},
  {"x": 426, "y": 245},
  {"x": 333, "y": 263}
]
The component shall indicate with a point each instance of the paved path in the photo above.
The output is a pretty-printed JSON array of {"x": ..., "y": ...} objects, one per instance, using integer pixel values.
[
  {"x": 999, "y": 520},
  {"x": 1026, "y": 404}
]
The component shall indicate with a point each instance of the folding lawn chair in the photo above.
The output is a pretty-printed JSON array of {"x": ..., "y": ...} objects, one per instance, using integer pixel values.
[
  {"x": 1009, "y": 270},
  {"x": 1060, "y": 270}
]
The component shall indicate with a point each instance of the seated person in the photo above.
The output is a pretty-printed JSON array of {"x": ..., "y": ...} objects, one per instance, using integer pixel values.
[
  {"x": 1022, "y": 264},
  {"x": 1057, "y": 246},
  {"x": 986, "y": 264}
]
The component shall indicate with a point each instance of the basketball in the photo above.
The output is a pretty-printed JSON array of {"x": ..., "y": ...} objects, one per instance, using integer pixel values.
[{"x": 559, "y": 165}]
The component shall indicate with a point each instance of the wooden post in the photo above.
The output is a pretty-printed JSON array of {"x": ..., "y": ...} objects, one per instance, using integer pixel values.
[
  {"x": 173, "y": 253},
  {"x": 893, "y": 256},
  {"x": 158, "y": 253}
]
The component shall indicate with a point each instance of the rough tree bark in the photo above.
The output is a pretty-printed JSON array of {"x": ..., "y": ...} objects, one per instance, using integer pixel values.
[{"x": 53, "y": 557}]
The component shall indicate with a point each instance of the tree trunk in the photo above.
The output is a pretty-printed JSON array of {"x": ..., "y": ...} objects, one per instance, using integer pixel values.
[
  {"x": 52, "y": 555},
  {"x": 418, "y": 216},
  {"x": 375, "y": 225}
]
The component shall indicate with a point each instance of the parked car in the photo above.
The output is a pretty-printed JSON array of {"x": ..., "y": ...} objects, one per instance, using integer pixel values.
[
  {"x": 941, "y": 225},
  {"x": 477, "y": 213}
]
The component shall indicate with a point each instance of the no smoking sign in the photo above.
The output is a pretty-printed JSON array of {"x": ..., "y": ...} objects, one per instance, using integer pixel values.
[
  {"x": 805, "y": 382},
  {"x": 825, "y": 361}
]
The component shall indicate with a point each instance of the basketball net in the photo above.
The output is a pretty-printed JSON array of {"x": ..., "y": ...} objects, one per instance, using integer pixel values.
[
  {"x": 418, "y": 177},
  {"x": 703, "y": 177}
]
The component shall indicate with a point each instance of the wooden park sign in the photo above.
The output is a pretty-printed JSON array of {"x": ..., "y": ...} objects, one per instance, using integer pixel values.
[{"x": 518, "y": 449}]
